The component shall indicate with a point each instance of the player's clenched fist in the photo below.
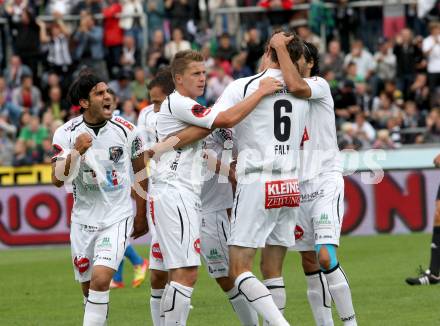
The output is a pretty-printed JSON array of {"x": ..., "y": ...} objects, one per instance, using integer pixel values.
[
  {"x": 270, "y": 85},
  {"x": 83, "y": 143}
]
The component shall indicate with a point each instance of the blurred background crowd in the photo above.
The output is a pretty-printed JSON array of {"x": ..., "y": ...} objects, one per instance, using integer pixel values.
[{"x": 381, "y": 61}]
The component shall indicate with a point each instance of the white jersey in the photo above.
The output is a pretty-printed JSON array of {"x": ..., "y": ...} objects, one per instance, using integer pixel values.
[
  {"x": 147, "y": 125},
  {"x": 216, "y": 190},
  {"x": 101, "y": 189},
  {"x": 182, "y": 169},
  {"x": 268, "y": 140},
  {"x": 321, "y": 152}
]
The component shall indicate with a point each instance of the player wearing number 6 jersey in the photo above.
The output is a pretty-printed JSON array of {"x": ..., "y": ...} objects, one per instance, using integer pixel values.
[
  {"x": 264, "y": 209},
  {"x": 322, "y": 189}
]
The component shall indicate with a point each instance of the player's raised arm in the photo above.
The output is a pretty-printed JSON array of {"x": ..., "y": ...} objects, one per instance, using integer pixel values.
[
  {"x": 64, "y": 162},
  {"x": 234, "y": 114},
  {"x": 295, "y": 83}
]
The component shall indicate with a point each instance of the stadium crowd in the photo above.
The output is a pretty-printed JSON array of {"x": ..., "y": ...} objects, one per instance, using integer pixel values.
[{"x": 382, "y": 63}]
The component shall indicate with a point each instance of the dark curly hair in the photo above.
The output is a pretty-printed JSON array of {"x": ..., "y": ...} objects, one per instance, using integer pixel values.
[{"x": 311, "y": 54}]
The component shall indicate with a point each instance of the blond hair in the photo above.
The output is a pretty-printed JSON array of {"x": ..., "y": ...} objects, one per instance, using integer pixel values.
[{"x": 182, "y": 59}]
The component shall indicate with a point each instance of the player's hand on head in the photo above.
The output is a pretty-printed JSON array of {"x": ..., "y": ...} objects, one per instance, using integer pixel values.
[
  {"x": 140, "y": 226},
  {"x": 83, "y": 142},
  {"x": 280, "y": 40},
  {"x": 270, "y": 85}
]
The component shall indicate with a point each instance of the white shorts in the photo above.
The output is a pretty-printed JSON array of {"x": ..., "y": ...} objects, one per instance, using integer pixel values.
[
  {"x": 91, "y": 245},
  {"x": 321, "y": 211},
  {"x": 156, "y": 258},
  {"x": 213, "y": 237},
  {"x": 264, "y": 213},
  {"x": 177, "y": 218}
]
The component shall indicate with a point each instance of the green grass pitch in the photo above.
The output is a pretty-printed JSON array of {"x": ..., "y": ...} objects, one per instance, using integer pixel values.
[{"x": 37, "y": 288}]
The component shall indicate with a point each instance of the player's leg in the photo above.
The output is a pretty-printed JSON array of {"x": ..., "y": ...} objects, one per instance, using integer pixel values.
[
  {"x": 271, "y": 266},
  {"x": 431, "y": 276},
  {"x": 117, "y": 280},
  {"x": 318, "y": 294},
  {"x": 214, "y": 250},
  {"x": 109, "y": 245},
  {"x": 327, "y": 220},
  {"x": 140, "y": 265}
]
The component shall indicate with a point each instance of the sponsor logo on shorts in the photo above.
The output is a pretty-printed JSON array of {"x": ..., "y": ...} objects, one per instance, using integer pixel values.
[
  {"x": 104, "y": 244},
  {"x": 299, "y": 232},
  {"x": 155, "y": 251},
  {"x": 312, "y": 196},
  {"x": 197, "y": 246},
  {"x": 282, "y": 193},
  {"x": 214, "y": 256},
  {"x": 81, "y": 263},
  {"x": 200, "y": 111},
  {"x": 323, "y": 221},
  {"x": 89, "y": 228}
]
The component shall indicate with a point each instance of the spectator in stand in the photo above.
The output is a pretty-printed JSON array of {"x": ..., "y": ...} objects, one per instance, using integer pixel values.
[
  {"x": 128, "y": 112},
  {"x": 393, "y": 127},
  {"x": 22, "y": 156},
  {"x": 334, "y": 59},
  {"x": 64, "y": 7},
  {"x": 129, "y": 53},
  {"x": 364, "y": 98},
  {"x": 113, "y": 36},
  {"x": 47, "y": 151},
  {"x": 393, "y": 18},
  {"x": 254, "y": 47},
  {"x": 14, "y": 10},
  {"x": 432, "y": 134},
  {"x": 27, "y": 41},
  {"x": 345, "y": 103},
  {"x": 363, "y": 130},
  {"x": 419, "y": 92},
  {"x": 56, "y": 104},
  {"x": 139, "y": 89},
  {"x": 121, "y": 86},
  {"x": 179, "y": 13},
  {"x": 216, "y": 85},
  {"x": 225, "y": 50},
  {"x": 348, "y": 139},
  {"x": 278, "y": 11},
  {"x": 431, "y": 49},
  {"x": 14, "y": 71},
  {"x": 383, "y": 140},
  {"x": 224, "y": 23},
  {"x": 132, "y": 23},
  {"x": 412, "y": 118},
  {"x": 7, "y": 135},
  {"x": 177, "y": 44},
  {"x": 156, "y": 14},
  {"x": 56, "y": 44},
  {"x": 239, "y": 69},
  {"x": 385, "y": 62},
  {"x": 383, "y": 109},
  {"x": 156, "y": 52},
  {"x": 351, "y": 73},
  {"x": 307, "y": 35},
  {"x": 89, "y": 50},
  {"x": 408, "y": 57},
  {"x": 34, "y": 132},
  {"x": 91, "y": 6},
  {"x": 27, "y": 96},
  {"x": 9, "y": 111},
  {"x": 346, "y": 23},
  {"x": 363, "y": 59},
  {"x": 207, "y": 57}
]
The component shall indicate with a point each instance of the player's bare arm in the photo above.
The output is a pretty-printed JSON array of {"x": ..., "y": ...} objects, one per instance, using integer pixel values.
[
  {"x": 62, "y": 169},
  {"x": 295, "y": 83},
  {"x": 140, "y": 225},
  {"x": 236, "y": 113}
]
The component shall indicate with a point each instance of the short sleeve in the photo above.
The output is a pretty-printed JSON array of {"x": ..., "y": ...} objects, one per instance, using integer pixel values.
[
  {"x": 193, "y": 113},
  {"x": 318, "y": 86},
  {"x": 136, "y": 143},
  {"x": 426, "y": 45},
  {"x": 60, "y": 144},
  {"x": 232, "y": 95}
]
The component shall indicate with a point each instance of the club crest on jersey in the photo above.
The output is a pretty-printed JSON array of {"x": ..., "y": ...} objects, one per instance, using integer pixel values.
[
  {"x": 115, "y": 153},
  {"x": 200, "y": 111},
  {"x": 81, "y": 263},
  {"x": 282, "y": 193}
]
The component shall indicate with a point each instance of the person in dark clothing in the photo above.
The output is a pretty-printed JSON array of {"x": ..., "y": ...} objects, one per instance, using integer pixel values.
[
  {"x": 226, "y": 50},
  {"x": 254, "y": 48}
]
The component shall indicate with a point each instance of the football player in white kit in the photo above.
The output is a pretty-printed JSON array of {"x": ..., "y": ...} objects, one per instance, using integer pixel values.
[
  {"x": 159, "y": 88},
  {"x": 267, "y": 188},
  {"x": 96, "y": 151},
  {"x": 176, "y": 195},
  {"x": 322, "y": 188}
]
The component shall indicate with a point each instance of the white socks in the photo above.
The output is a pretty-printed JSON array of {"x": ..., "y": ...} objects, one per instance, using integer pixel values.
[
  {"x": 340, "y": 291},
  {"x": 278, "y": 290},
  {"x": 260, "y": 298},
  {"x": 95, "y": 313},
  {"x": 156, "y": 296},
  {"x": 319, "y": 298},
  {"x": 176, "y": 302},
  {"x": 161, "y": 306},
  {"x": 246, "y": 314}
]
